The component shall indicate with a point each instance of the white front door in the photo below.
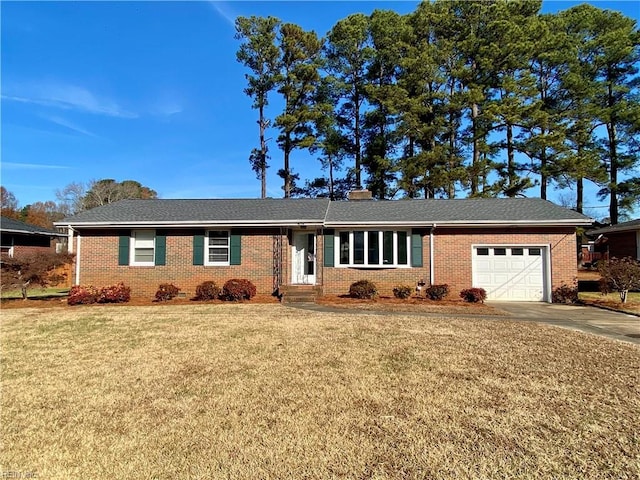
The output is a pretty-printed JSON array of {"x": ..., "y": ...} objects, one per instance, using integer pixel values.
[{"x": 303, "y": 258}]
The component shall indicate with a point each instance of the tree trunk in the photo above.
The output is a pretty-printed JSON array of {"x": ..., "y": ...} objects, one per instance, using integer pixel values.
[
  {"x": 579, "y": 194},
  {"x": 613, "y": 160},
  {"x": 511, "y": 163},
  {"x": 263, "y": 154},
  {"x": 287, "y": 172},
  {"x": 356, "y": 133},
  {"x": 623, "y": 296},
  {"x": 476, "y": 150}
]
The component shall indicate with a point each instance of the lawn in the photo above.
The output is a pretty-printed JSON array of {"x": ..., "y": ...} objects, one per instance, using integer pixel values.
[
  {"x": 612, "y": 300},
  {"x": 36, "y": 293},
  {"x": 270, "y": 392}
]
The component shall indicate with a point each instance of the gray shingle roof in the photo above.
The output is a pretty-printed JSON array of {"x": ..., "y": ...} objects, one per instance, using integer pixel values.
[
  {"x": 464, "y": 211},
  {"x": 322, "y": 212},
  {"x": 228, "y": 211},
  {"x": 16, "y": 226},
  {"x": 620, "y": 227}
]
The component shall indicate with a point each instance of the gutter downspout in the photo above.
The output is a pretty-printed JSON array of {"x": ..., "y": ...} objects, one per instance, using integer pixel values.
[
  {"x": 431, "y": 255},
  {"x": 77, "y": 279},
  {"x": 69, "y": 239}
]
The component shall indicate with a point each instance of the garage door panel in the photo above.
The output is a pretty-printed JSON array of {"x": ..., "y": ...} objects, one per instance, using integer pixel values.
[{"x": 514, "y": 273}]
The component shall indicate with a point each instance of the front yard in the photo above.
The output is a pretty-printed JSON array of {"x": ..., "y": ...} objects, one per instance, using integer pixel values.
[{"x": 266, "y": 391}]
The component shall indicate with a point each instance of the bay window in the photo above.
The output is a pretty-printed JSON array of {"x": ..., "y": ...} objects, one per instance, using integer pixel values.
[{"x": 373, "y": 248}]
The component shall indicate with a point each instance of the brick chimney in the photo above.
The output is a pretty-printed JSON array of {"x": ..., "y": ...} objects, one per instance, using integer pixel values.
[{"x": 362, "y": 194}]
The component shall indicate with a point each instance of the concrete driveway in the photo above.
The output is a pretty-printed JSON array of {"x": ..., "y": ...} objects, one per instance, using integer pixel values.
[{"x": 614, "y": 325}]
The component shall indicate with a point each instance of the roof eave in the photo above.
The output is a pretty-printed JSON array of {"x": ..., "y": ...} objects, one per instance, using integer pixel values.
[
  {"x": 192, "y": 224},
  {"x": 464, "y": 223},
  {"x": 604, "y": 231},
  {"x": 29, "y": 232}
]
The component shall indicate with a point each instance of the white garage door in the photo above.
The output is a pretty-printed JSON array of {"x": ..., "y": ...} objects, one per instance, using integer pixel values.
[{"x": 510, "y": 273}]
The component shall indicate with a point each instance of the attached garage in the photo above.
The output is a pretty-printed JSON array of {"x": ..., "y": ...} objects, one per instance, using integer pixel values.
[{"x": 512, "y": 273}]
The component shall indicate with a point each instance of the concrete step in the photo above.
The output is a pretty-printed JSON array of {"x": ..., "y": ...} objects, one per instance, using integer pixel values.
[{"x": 299, "y": 293}]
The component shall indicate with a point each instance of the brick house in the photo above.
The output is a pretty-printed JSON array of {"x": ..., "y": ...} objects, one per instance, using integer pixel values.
[
  {"x": 18, "y": 237},
  {"x": 621, "y": 240},
  {"x": 517, "y": 249}
]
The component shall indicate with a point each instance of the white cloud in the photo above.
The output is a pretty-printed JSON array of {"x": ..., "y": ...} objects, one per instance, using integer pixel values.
[
  {"x": 222, "y": 8},
  {"x": 166, "y": 107},
  {"x": 67, "y": 97},
  {"x": 70, "y": 125},
  {"x": 31, "y": 166}
]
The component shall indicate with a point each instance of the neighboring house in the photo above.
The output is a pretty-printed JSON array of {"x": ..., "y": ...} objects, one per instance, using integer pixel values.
[
  {"x": 621, "y": 240},
  {"x": 517, "y": 249},
  {"x": 17, "y": 237}
]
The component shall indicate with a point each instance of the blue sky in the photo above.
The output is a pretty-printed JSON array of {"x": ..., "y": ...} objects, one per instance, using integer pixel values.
[{"x": 148, "y": 91}]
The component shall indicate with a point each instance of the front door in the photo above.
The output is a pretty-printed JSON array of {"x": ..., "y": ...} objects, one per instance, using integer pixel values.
[{"x": 303, "y": 258}]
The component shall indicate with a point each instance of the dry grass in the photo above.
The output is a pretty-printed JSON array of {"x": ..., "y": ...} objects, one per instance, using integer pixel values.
[
  {"x": 265, "y": 391},
  {"x": 612, "y": 300}
]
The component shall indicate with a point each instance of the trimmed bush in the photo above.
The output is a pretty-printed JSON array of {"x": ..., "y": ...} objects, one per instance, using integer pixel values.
[
  {"x": 565, "y": 294},
  {"x": 474, "y": 295},
  {"x": 207, "y": 291},
  {"x": 238, "y": 289},
  {"x": 437, "y": 292},
  {"x": 402, "y": 291},
  {"x": 118, "y": 293},
  {"x": 166, "y": 291},
  {"x": 363, "y": 289},
  {"x": 83, "y": 295}
]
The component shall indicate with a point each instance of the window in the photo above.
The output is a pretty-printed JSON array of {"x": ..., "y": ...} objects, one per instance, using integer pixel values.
[
  {"x": 143, "y": 245},
  {"x": 517, "y": 251},
  {"x": 217, "y": 248},
  {"x": 534, "y": 252},
  {"x": 373, "y": 248},
  {"x": 500, "y": 251},
  {"x": 483, "y": 251}
]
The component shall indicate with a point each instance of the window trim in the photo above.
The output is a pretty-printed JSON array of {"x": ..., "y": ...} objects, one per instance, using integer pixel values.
[
  {"x": 132, "y": 249},
  {"x": 207, "y": 262},
  {"x": 380, "y": 265}
]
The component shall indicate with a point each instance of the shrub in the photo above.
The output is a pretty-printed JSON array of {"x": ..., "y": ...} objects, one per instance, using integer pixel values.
[
  {"x": 565, "y": 294},
  {"x": 238, "y": 289},
  {"x": 118, "y": 293},
  {"x": 363, "y": 289},
  {"x": 437, "y": 292},
  {"x": 473, "y": 295},
  {"x": 402, "y": 291},
  {"x": 166, "y": 291},
  {"x": 83, "y": 295},
  {"x": 207, "y": 291},
  {"x": 619, "y": 275},
  {"x": 28, "y": 270}
]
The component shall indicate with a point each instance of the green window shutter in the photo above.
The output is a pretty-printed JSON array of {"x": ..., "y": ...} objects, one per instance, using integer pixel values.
[
  {"x": 416, "y": 249},
  {"x": 198, "y": 249},
  {"x": 329, "y": 256},
  {"x": 161, "y": 248},
  {"x": 235, "y": 247},
  {"x": 123, "y": 248}
]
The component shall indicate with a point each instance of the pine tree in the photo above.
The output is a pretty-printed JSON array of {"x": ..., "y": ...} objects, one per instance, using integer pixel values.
[{"x": 260, "y": 54}]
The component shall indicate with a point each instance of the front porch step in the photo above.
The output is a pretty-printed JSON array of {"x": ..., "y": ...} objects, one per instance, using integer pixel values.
[{"x": 300, "y": 293}]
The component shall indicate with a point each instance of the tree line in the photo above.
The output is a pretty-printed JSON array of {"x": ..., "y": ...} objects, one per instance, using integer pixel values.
[
  {"x": 458, "y": 98},
  {"x": 72, "y": 199}
]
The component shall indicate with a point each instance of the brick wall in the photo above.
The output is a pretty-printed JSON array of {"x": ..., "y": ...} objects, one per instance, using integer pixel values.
[
  {"x": 336, "y": 280},
  {"x": 622, "y": 244},
  {"x": 452, "y": 265},
  {"x": 99, "y": 263},
  {"x": 453, "y": 252}
]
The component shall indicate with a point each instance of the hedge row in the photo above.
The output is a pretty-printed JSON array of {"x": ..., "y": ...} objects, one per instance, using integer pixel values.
[
  {"x": 236, "y": 289},
  {"x": 368, "y": 289}
]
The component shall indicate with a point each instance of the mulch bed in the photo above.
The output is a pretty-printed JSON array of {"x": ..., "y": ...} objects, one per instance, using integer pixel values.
[{"x": 392, "y": 304}]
